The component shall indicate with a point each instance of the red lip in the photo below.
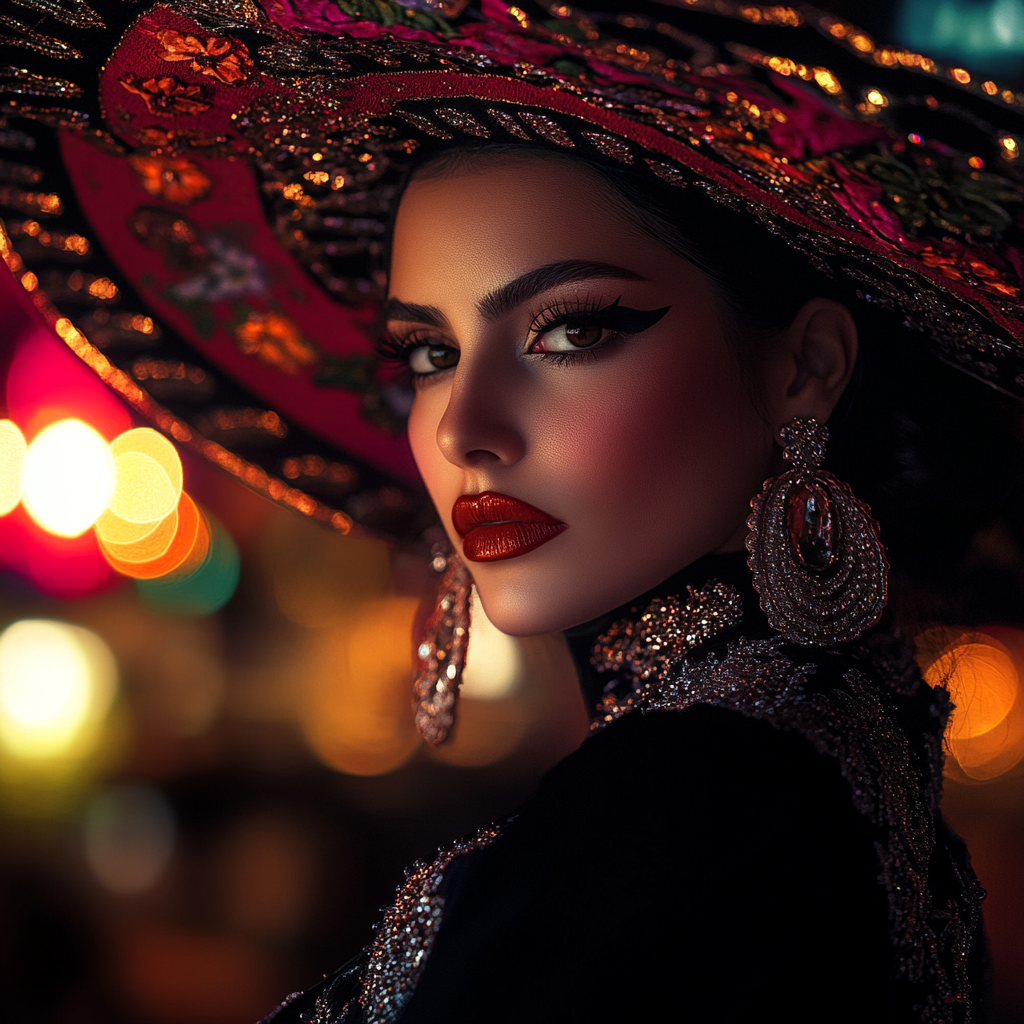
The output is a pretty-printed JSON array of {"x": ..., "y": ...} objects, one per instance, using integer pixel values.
[{"x": 495, "y": 526}]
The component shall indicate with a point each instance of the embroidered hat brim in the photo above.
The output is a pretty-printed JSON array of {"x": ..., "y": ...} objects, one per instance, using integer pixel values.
[{"x": 201, "y": 191}]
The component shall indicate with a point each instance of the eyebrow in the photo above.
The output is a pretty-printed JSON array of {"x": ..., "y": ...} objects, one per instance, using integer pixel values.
[
  {"x": 411, "y": 312},
  {"x": 496, "y": 304},
  {"x": 504, "y": 299}
]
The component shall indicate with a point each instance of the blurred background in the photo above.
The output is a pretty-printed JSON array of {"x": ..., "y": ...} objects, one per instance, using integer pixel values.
[{"x": 210, "y": 782}]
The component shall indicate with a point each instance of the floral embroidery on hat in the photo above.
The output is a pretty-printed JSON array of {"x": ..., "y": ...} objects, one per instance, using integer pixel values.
[
  {"x": 277, "y": 341},
  {"x": 223, "y": 58},
  {"x": 168, "y": 96},
  {"x": 172, "y": 178}
]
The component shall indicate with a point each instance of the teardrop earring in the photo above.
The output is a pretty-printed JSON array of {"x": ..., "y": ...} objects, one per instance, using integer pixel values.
[
  {"x": 817, "y": 560},
  {"x": 442, "y": 653}
]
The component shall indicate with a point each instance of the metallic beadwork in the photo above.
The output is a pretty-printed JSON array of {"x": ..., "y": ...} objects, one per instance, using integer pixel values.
[
  {"x": 509, "y": 123},
  {"x": 442, "y": 654},
  {"x": 463, "y": 121},
  {"x": 824, "y": 589},
  {"x": 406, "y": 936},
  {"x": 423, "y": 124},
  {"x": 667, "y": 630},
  {"x": 667, "y": 173},
  {"x": 547, "y": 127},
  {"x": 610, "y": 146}
]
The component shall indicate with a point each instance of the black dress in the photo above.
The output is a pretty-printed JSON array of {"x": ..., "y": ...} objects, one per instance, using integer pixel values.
[{"x": 752, "y": 832}]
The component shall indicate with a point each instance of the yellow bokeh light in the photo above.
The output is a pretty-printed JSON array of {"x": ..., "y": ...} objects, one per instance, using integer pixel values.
[
  {"x": 115, "y": 530},
  {"x": 144, "y": 492},
  {"x": 154, "y": 543},
  {"x": 67, "y": 478},
  {"x": 827, "y": 81},
  {"x": 56, "y": 680},
  {"x": 12, "y": 458},
  {"x": 493, "y": 660},
  {"x": 149, "y": 442},
  {"x": 356, "y": 713}
]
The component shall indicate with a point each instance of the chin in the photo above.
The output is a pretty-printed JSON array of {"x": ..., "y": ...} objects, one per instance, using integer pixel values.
[{"x": 545, "y": 592}]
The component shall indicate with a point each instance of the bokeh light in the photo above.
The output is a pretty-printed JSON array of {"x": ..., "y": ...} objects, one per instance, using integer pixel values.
[
  {"x": 56, "y": 680},
  {"x": 493, "y": 661},
  {"x": 319, "y": 576},
  {"x": 485, "y": 732},
  {"x": 982, "y": 681},
  {"x": 61, "y": 567},
  {"x": 67, "y": 477},
  {"x": 982, "y": 672},
  {"x": 149, "y": 476},
  {"x": 185, "y": 553},
  {"x": 12, "y": 458},
  {"x": 984, "y": 34},
  {"x": 197, "y": 589},
  {"x": 129, "y": 832},
  {"x": 269, "y": 876},
  {"x": 47, "y": 382},
  {"x": 138, "y": 543},
  {"x": 357, "y": 691},
  {"x": 143, "y": 493}
]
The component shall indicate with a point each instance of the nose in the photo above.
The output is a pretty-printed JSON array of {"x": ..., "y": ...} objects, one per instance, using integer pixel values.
[{"x": 479, "y": 428}]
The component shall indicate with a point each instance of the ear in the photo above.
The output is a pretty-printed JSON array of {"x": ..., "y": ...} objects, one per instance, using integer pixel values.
[{"x": 812, "y": 362}]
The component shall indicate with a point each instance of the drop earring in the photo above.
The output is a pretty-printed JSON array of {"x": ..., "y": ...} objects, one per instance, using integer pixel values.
[
  {"x": 817, "y": 560},
  {"x": 442, "y": 653}
]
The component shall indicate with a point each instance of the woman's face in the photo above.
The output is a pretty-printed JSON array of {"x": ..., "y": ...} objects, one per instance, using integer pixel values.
[{"x": 569, "y": 362}]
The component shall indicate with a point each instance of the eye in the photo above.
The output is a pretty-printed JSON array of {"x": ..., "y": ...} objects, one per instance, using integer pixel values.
[
  {"x": 570, "y": 337},
  {"x": 429, "y": 359}
]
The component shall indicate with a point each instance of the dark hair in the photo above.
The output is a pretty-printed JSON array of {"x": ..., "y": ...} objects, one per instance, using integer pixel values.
[{"x": 937, "y": 455}]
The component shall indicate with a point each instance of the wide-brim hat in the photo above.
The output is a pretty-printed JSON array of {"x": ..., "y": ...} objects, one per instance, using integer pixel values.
[{"x": 198, "y": 192}]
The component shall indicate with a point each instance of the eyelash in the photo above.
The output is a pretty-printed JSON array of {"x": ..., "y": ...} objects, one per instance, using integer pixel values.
[
  {"x": 560, "y": 314},
  {"x": 566, "y": 314}
]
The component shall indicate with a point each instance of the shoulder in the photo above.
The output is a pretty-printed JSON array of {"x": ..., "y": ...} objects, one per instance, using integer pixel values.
[
  {"x": 724, "y": 848},
  {"x": 702, "y": 768}
]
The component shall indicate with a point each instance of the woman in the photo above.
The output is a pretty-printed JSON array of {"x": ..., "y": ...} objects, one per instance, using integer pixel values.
[{"x": 629, "y": 289}]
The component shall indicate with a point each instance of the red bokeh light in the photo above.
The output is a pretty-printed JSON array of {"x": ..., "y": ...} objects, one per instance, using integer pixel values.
[
  {"x": 57, "y": 566},
  {"x": 47, "y": 382}
]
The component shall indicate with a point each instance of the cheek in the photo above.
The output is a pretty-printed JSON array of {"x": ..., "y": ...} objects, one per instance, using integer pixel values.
[{"x": 659, "y": 431}]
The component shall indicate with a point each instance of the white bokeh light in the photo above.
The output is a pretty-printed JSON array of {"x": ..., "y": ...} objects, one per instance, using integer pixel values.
[
  {"x": 67, "y": 478},
  {"x": 493, "y": 661},
  {"x": 12, "y": 459},
  {"x": 55, "y": 681}
]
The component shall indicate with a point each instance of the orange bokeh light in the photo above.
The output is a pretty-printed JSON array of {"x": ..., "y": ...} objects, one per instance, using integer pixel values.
[
  {"x": 358, "y": 687},
  {"x": 188, "y": 547},
  {"x": 982, "y": 671},
  {"x": 982, "y": 681}
]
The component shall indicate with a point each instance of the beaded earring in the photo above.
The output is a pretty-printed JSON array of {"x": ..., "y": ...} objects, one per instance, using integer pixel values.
[
  {"x": 817, "y": 560},
  {"x": 442, "y": 653}
]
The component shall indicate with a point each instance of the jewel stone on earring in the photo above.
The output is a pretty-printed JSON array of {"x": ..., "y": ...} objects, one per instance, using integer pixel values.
[{"x": 814, "y": 551}]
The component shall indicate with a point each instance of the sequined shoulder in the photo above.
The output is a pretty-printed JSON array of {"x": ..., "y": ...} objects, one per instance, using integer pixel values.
[{"x": 844, "y": 704}]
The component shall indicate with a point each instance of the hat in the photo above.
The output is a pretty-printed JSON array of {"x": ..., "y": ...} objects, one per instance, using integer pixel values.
[{"x": 198, "y": 192}]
